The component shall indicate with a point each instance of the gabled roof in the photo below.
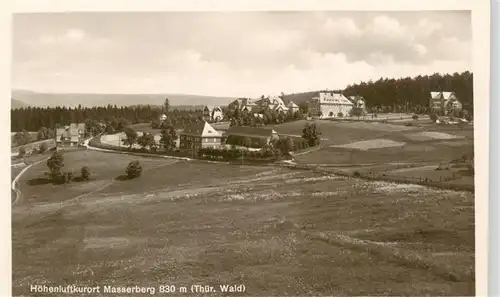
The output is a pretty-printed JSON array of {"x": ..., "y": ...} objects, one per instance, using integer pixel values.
[
  {"x": 444, "y": 95},
  {"x": 203, "y": 129},
  {"x": 436, "y": 95},
  {"x": 355, "y": 99},
  {"x": 250, "y": 131},
  {"x": 448, "y": 95},
  {"x": 291, "y": 104},
  {"x": 211, "y": 107},
  {"x": 68, "y": 132},
  {"x": 277, "y": 100}
]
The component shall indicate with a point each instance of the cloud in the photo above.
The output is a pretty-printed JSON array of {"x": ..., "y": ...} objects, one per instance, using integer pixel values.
[{"x": 233, "y": 53}]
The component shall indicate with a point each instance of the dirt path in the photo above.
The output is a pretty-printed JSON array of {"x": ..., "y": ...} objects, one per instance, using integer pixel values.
[{"x": 14, "y": 182}]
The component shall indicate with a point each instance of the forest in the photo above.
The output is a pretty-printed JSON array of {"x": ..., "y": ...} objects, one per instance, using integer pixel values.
[{"x": 408, "y": 94}]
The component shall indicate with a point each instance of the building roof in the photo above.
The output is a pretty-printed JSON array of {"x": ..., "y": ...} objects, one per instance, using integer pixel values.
[
  {"x": 277, "y": 100},
  {"x": 436, "y": 95},
  {"x": 203, "y": 129},
  {"x": 355, "y": 99},
  {"x": 70, "y": 131},
  {"x": 445, "y": 95},
  {"x": 250, "y": 131},
  {"x": 448, "y": 95},
  {"x": 291, "y": 104},
  {"x": 333, "y": 98}
]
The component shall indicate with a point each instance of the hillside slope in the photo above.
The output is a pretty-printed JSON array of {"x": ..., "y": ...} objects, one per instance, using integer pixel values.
[
  {"x": 14, "y": 103},
  {"x": 89, "y": 100}
]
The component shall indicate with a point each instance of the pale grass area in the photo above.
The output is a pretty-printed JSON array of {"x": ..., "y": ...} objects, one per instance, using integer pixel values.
[
  {"x": 116, "y": 139},
  {"x": 431, "y": 135},
  {"x": 376, "y": 126},
  {"x": 410, "y": 169},
  {"x": 371, "y": 144}
]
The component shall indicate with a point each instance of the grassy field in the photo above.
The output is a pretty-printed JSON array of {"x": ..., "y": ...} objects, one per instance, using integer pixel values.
[
  {"x": 338, "y": 136},
  {"x": 277, "y": 231}
]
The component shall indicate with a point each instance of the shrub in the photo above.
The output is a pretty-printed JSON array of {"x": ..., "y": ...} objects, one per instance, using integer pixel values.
[
  {"x": 85, "y": 173},
  {"x": 340, "y": 115},
  {"x": 356, "y": 174},
  {"x": 68, "y": 177},
  {"x": 415, "y": 117},
  {"x": 134, "y": 169},
  {"x": 43, "y": 148},
  {"x": 433, "y": 117},
  {"x": 22, "y": 151}
]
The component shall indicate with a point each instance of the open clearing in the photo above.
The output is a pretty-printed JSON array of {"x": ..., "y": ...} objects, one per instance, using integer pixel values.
[
  {"x": 430, "y": 135},
  {"x": 116, "y": 139},
  {"x": 278, "y": 231},
  {"x": 371, "y": 144}
]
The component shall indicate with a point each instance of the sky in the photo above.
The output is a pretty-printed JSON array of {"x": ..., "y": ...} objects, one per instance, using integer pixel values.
[{"x": 232, "y": 53}]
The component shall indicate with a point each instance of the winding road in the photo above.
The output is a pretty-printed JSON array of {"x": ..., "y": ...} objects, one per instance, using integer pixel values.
[{"x": 15, "y": 181}]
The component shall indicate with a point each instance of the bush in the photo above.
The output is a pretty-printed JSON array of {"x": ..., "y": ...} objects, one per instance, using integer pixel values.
[
  {"x": 68, "y": 177},
  {"x": 134, "y": 169},
  {"x": 43, "y": 148},
  {"x": 85, "y": 173},
  {"x": 433, "y": 117},
  {"x": 340, "y": 115},
  {"x": 22, "y": 151},
  {"x": 356, "y": 174},
  {"x": 415, "y": 117}
]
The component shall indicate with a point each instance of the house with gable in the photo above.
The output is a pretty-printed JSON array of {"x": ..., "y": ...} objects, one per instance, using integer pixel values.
[
  {"x": 358, "y": 102},
  {"x": 292, "y": 107},
  {"x": 71, "y": 135},
  {"x": 444, "y": 103},
  {"x": 213, "y": 113},
  {"x": 199, "y": 135},
  {"x": 258, "y": 106}
]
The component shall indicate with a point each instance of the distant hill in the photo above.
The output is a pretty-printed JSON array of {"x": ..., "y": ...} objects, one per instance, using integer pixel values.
[
  {"x": 89, "y": 100},
  {"x": 14, "y": 103}
]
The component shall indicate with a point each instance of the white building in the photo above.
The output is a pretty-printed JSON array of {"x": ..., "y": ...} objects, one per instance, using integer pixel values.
[
  {"x": 213, "y": 113},
  {"x": 330, "y": 105}
]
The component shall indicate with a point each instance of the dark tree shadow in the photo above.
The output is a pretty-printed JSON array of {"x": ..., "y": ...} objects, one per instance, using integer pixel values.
[
  {"x": 40, "y": 181},
  {"x": 78, "y": 179},
  {"x": 123, "y": 177}
]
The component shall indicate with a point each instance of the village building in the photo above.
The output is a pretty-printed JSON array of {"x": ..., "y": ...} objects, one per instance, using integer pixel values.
[
  {"x": 292, "y": 107},
  {"x": 358, "y": 102},
  {"x": 329, "y": 105},
  {"x": 258, "y": 106},
  {"x": 253, "y": 137},
  {"x": 444, "y": 103},
  {"x": 163, "y": 118},
  {"x": 213, "y": 114},
  {"x": 199, "y": 135},
  {"x": 71, "y": 135}
]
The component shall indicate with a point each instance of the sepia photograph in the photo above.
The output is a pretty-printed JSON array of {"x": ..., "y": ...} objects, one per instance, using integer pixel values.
[{"x": 243, "y": 153}]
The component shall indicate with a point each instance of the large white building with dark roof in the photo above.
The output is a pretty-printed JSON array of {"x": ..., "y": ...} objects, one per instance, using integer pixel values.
[{"x": 330, "y": 105}]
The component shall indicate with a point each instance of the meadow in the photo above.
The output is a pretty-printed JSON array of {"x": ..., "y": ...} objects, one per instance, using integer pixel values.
[
  {"x": 276, "y": 230},
  {"x": 384, "y": 147}
]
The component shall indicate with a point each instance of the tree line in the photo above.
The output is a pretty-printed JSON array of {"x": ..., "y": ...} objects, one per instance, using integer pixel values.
[
  {"x": 412, "y": 94},
  {"x": 409, "y": 94},
  {"x": 34, "y": 118}
]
